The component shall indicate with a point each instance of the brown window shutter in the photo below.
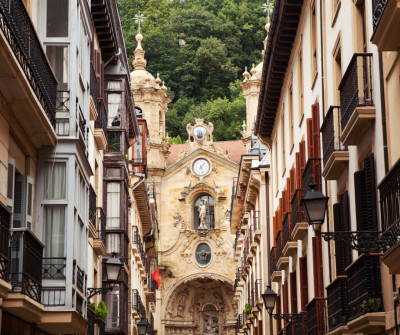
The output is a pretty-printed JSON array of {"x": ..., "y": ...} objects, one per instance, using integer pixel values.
[
  {"x": 302, "y": 156},
  {"x": 278, "y": 311},
  {"x": 317, "y": 266},
  {"x": 303, "y": 283},
  {"x": 310, "y": 143},
  {"x": 284, "y": 203},
  {"x": 292, "y": 182},
  {"x": 298, "y": 171},
  {"x": 315, "y": 131},
  {"x": 285, "y": 298},
  {"x": 260, "y": 327},
  {"x": 293, "y": 292},
  {"x": 274, "y": 227}
]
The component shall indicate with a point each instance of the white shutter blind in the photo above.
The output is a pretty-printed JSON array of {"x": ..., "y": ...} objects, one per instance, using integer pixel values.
[{"x": 10, "y": 183}]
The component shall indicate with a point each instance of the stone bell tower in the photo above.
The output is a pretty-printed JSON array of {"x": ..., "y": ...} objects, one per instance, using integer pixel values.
[{"x": 151, "y": 104}]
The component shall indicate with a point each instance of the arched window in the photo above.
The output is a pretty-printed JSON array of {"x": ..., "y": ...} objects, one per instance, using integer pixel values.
[
  {"x": 208, "y": 201},
  {"x": 138, "y": 112}
]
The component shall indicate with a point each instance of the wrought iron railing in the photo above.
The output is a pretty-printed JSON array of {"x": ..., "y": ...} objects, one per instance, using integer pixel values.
[
  {"x": 356, "y": 86},
  {"x": 389, "y": 194},
  {"x": 79, "y": 277},
  {"x": 287, "y": 229},
  {"x": 93, "y": 83},
  {"x": 138, "y": 241},
  {"x": 26, "y": 263},
  {"x": 101, "y": 225},
  {"x": 364, "y": 292},
  {"x": 63, "y": 116},
  {"x": 312, "y": 175},
  {"x": 297, "y": 209},
  {"x": 81, "y": 131},
  {"x": 92, "y": 205},
  {"x": 378, "y": 8},
  {"x": 54, "y": 267},
  {"x": 316, "y": 316},
  {"x": 272, "y": 260},
  {"x": 20, "y": 33},
  {"x": 330, "y": 130},
  {"x": 337, "y": 303},
  {"x": 239, "y": 321},
  {"x": 236, "y": 240},
  {"x": 137, "y": 303},
  {"x": 101, "y": 121},
  {"x": 279, "y": 245},
  {"x": 5, "y": 221}
]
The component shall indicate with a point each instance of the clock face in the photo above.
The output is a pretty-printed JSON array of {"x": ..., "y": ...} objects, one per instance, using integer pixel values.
[{"x": 201, "y": 167}]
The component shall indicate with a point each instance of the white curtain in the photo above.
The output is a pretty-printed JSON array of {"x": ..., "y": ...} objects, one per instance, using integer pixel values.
[
  {"x": 114, "y": 85},
  {"x": 113, "y": 205},
  {"x": 55, "y": 183},
  {"x": 55, "y": 231},
  {"x": 113, "y": 243},
  {"x": 114, "y": 104}
]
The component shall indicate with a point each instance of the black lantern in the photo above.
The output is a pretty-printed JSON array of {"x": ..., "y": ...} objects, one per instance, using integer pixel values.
[
  {"x": 142, "y": 326},
  {"x": 113, "y": 268},
  {"x": 269, "y": 297},
  {"x": 314, "y": 206}
]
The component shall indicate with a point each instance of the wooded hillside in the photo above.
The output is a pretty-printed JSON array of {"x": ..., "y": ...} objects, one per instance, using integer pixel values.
[{"x": 200, "y": 49}]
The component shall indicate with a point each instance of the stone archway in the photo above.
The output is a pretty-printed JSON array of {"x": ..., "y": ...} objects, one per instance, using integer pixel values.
[{"x": 200, "y": 306}]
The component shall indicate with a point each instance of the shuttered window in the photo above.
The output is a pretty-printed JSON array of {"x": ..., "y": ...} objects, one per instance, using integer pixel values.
[
  {"x": 317, "y": 267},
  {"x": 303, "y": 283},
  {"x": 293, "y": 292}
]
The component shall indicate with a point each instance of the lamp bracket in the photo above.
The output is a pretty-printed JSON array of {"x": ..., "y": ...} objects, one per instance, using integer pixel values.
[
  {"x": 92, "y": 291},
  {"x": 363, "y": 241},
  {"x": 296, "y": 318}
]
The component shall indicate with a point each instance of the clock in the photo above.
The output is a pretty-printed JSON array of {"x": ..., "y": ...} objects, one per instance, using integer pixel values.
[{"x": 201, "y": 167}]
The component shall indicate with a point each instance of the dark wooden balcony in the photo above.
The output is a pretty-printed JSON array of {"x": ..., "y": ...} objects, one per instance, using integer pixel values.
[
  {"x": 386, "y": 23},
  {"x": 27, "y": 63},
  {"x": 298, "y": 219},
  {"x": 100, "y": 125},
  {"x": 5, "y": 220},
  {"x": 316, "y": 316},
  {"x": 312, "y": 175},
  {"x": 389, "y": 194},
  {"x": 26, "y": 263},
  {"x": 335, "y": 155},
  {"x": 356, "y": 103},
  {"x": 337, "y": 303}
]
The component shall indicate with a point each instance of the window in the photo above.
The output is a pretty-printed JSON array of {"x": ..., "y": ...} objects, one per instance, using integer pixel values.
[
  {"x": 113, "y": 243},
  {"x": 112, "y": 303},
  {"x": 58, "y": 59},
  {"x": 138, "y": 112},
  {"x": 337, "y": 69},
  {"x": 114, "y": 110},
  {"x": 313, "y": 43},
  {"x": 57, "y": 18},
  {"x": 55, "y": 182},
  {"x": 113, "y": 205},
  {"x": 114, "y": 140},
  {"x": 54, "y": 239},
  {"x": 208, "y": 214}
]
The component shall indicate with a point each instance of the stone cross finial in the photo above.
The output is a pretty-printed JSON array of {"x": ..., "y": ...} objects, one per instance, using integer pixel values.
[{"x": 139, "y": 18}]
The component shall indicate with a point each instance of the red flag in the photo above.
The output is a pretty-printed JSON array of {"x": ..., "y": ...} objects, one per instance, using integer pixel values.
[{"x": 156, "y": 277}]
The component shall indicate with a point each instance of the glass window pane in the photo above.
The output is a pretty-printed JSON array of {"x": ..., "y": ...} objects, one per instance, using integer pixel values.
[
  {"x": 55, "y": 185},
  {"x": 113, "y": 205},
  {"x": 113, "y": 243},
  {"x": 114, "y": 110},
  {"x": 114, "y": 85},
  {"x": 57, "y": 18},
  {"x": 54, "y": 231},
  {"x": 112, "y": 303},
  {"x": 58, "y": 58},
  {"x": 137, "y": 148},
  {"x": 114, "y": 141}
]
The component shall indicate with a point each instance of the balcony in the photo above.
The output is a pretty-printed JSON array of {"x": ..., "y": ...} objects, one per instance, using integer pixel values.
[
  {"x": 298, "y": 219},
  {"x": 99, "y": 240},
  {"x": 138, "y": 250},
  {"x": 26, "y": 79},
  {"x": 275, "y": 274},
  {"x": 63, "y": 113},
  {"x": 5, "y": 219},
  {"x": 389, "y": 193},
  {"x": 364, "y": 296},
  {"x": 92, "y": 212},
  {"x": 82, "y": 133},
  {"x": 93, "y": 94},
  {"x": 100, "y": 126},
  {"x": 138, "y": 309},
  {"x": 316, "y": 316},
  {"x": 289, "y": 246},
  {"x": 256, "y": 227},
  {"x": 239, "y": 322},
  {"x": 337, "y": 303},
  {"x": 281, "y": 261},
  {"x": 335, "y": 155},
  {"x": 312, "y": 175},
  {"x": 54, "y": 268},
  {"x": 386, "y": 23},
  {"x": 96, "y": 326},
  {"x": 25, "y": 275},
  {"x": 356, "y": 103},
  {"x": 139, "y": 165}
]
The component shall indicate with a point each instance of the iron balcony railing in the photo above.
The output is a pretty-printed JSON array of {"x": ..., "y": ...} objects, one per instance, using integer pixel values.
[
  {"x": 5, "y": 221},
  {"x": 101, "y": 221},
  {"x": 312, "y": 175},
  {"x": 364, "y": 292},
  {"x": 54, "y": 267},
  {"x": 287, "y": 229},
  {"x": 239, "y": 321},
  {"x": 356, "y": 86},
  {"x": 279, "y": 245},
  {"x": 101, "y": 121},
  {"x": 297, "y": 209},
  {"x": 337, "y": 303},
  {"x": 92, "y": 205},
  {"x": 389, "y": 194},
  {"x": 378, "y": 10},
  {"x": 137, "y": 303},
  {"x": 79, "y": 277},
  {"x": 26, "y": 263},
  {"x": 20, "y": 33},
  {"x": 81, "y": 131},
  {"x": 330, "y": 131},
  {"x": 93, "y": 83},
  {"x": 138, "y": 241},
  {"x": 272, "y": 260},
  {"x": 63, "y": 116},
  {"x": 316, "y": 316}
]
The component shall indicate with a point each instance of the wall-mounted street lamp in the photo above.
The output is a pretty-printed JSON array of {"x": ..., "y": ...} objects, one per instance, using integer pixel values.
[
  {"x": 142, "y": 326},
  {"x": 113, "y": 270},
  {"x": 314, "y": 206},
  {"x": 269, "y": 298}
]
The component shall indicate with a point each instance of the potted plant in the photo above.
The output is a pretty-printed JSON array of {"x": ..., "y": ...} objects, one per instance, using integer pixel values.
[
  {"x": 371, "y": 305},
  {"x": 247, "y": 309},
  {"x": 155, "y": 331},
  {"x": 101, "y": 311}
]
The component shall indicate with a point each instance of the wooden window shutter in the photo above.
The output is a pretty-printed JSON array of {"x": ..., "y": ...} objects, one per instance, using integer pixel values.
[
  {"x": 284, "y": 203},
  {"x": 260, "y": 328},
  {"x": 315, "y": 131},
  {"x": 298, "y": 171},
  {"x": 303, "y": 283},
  {"x": 278, "y": 311},
  {"x": 317, "y": 267},
  {"x": 302, "y": 156},
  {"x": 274, "y": 227},
  {"x": 310, "y": 143},
  {"x": 285, "y": 298},
  {"x": 293, "y": 292},
  {"x": 292, "y": 182}
]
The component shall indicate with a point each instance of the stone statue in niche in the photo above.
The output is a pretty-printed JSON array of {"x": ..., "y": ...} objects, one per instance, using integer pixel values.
[
  {"x": 210, "y": 317},
  {"x": 202, "y": 214}
]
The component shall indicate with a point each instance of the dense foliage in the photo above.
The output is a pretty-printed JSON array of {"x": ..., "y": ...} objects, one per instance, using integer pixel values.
[{"x": 200, "y": 49}]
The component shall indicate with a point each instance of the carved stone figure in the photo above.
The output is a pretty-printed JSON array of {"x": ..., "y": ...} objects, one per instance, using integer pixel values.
[
  {"x": 211, "y": 322},
  {"x": 202, "y": 214}
]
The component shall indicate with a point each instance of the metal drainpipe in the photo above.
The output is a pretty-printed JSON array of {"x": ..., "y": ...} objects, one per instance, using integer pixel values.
[
  {"x": 323, "y": 114},
  {"x": 271, "y": 327}
]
